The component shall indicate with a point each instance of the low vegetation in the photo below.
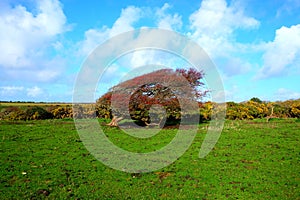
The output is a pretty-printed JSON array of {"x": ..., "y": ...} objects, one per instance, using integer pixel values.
[{"x": 248, "y": 110}]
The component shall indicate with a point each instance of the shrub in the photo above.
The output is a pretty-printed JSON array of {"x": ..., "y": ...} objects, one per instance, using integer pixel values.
[
  {"x": 62, "y": 112},
  {"x": 37, "y": 112}
]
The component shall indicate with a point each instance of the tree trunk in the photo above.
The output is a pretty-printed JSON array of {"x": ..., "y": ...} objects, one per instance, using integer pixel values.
[
  {"x": 271, "y": 115},
  {"x": 159, "y": 124},
  {"x": 114, "y": 121}
]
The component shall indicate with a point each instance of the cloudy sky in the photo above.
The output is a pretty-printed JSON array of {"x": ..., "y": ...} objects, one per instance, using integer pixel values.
[{"x": 254, "y": 44}]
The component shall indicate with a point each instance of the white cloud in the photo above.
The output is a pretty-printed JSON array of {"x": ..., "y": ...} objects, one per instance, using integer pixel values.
[
  {"x": 283, "y": 53},
  {"x": 29, "y": 40},
  {"x": 235, "y": 66},
  {"x": 125, "y": 22},
  {"x": 168, "y": 21},
  {"x": 213, "y": 26},
  {"x": 34, "y": 91},
  {"x": 47, "y": 71},
  {"x": 216, "y": 19},
  {"x": 10, "y": 90},
  {"x": 144, "y": 57},
  {"x": 94, "y": 37},
  {"x": 23, "y": 34},
  {"x": 128, "y": 17},
  {"x": 286, "y": 94},
  {"x": 149, "y": 57}
]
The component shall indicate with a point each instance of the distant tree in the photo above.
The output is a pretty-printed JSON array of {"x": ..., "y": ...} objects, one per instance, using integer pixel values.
[
  {"x": 255, "y": 99},
  {"x": 166, "y": 87}
]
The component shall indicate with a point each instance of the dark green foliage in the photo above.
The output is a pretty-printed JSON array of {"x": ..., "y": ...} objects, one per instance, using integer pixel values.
[
  {"x": 37, "y": 112},
  {"x": 255, "y": 99},
  {"x": 281, "y": 110}
]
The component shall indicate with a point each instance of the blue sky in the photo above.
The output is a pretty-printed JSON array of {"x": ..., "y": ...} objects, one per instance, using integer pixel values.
[{"x": 254, "y": 44}]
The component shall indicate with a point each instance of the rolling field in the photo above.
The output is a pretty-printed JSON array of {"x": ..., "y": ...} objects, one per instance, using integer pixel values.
[{"x": 252, "y": 160}]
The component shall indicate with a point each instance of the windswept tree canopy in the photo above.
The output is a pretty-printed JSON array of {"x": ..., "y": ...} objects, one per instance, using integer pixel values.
[{"x": 171, "y": 91}]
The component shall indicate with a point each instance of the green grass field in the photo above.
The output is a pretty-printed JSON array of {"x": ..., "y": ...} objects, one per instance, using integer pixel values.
[{"x": 252, "y": 160}]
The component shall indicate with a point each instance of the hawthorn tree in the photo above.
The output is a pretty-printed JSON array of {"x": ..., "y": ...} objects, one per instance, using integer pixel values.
[{"x": 167, "y": 89}]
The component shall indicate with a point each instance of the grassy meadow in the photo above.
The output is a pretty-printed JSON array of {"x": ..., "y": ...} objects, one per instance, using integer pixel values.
[{"x": 252, "y": 160}]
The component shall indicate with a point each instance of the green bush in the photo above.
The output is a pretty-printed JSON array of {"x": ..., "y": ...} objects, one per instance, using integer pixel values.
[{"x": 37, "y": 112}]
